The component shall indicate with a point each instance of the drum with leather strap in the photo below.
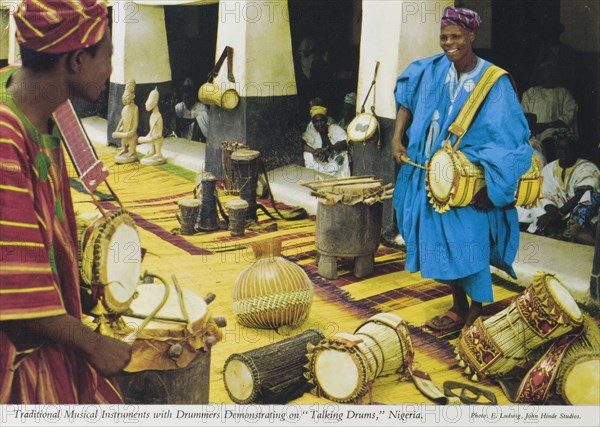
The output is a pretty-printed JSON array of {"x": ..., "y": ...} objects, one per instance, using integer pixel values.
[
  {"x": 364, "y": 128},
  {"x": 452, "y": 179}
]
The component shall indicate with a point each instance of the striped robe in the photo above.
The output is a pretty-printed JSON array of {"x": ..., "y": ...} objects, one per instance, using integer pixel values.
[{"x": 39, "y": 269}]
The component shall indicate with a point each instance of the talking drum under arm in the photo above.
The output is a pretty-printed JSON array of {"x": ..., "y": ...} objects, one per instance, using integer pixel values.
[
  {"x": 110, "y": 252},
  {"x": 529, "y": 190},
  {"x": 452, "y": 180},
  {"x": 170, "y": 360},
  {"x": 494, "y": 346},
  {"x": 270, "y": 374}
]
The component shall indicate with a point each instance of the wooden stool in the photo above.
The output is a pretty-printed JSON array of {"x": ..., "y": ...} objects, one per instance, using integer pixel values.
[{"x": 348, "y": 231}]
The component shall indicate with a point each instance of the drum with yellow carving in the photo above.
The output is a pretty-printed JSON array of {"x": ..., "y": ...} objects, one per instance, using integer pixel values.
[{"x": 452, "y": 180}]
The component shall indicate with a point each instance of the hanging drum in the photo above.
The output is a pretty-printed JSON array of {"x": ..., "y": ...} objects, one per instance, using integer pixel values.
[
  {"x": 111, "y": 260},
  {"x": 272, "y": 291},
  {"x": 364, "y": 128}
]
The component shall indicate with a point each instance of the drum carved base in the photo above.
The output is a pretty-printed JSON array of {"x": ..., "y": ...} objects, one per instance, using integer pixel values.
[{"x": 189, "y": 385}]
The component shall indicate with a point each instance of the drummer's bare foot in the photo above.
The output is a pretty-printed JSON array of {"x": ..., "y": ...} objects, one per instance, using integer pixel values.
[{"x": 474, "y": 312}]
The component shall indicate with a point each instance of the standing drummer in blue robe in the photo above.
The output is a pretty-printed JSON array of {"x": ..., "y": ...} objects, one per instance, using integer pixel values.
[{"x": 457, "y": 247}]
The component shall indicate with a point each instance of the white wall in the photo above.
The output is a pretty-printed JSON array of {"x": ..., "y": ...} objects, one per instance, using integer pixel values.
[
  {"x": 140, "y": 49},
  {"x": 4, "y": 33},
  {"x": 259, "y": 33},
  {"x": 395, "y": 33}
]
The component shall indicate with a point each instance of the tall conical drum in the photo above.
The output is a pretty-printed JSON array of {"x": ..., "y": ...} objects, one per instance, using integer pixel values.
[{"x": 272, "y": 291}]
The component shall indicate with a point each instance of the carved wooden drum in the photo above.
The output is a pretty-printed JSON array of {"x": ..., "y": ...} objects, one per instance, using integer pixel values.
[
  {"x": 270, "y": 374},
  {"x": 544, "y": 311},
  {"x": 170, "y": 360}
]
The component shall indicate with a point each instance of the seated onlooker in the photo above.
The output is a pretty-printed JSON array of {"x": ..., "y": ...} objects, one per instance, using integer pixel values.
[
  {"x": 348, "y": 110},
  {"x": 535, "y": 143},
  {"x": 325, "y": 147},
  {"x": 191, "y": 115},
  {"x": 524, "y": 213},
  {"x": 554, "y": 108},
  {"x": 570, "y": 197}
]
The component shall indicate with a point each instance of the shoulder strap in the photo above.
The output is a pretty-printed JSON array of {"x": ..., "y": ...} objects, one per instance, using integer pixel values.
[
  {"x": 227, "y": 53},
  {"x": 466, "y": 115}
]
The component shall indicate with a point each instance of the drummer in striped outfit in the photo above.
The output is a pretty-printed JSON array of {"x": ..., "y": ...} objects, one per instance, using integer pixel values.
[{"x": 48, "y": 355}]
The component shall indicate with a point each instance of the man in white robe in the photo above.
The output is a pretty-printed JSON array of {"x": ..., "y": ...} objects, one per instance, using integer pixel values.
[
  {"x": 568, "y": 191},
  {"x": 325, "y": 147},
  {"x": 554, "y": 108}
]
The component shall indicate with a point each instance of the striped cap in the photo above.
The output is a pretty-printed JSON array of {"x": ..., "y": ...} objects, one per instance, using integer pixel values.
[
  {"x": 59, "y": 26},
  {"x": 462, "y": 17}
]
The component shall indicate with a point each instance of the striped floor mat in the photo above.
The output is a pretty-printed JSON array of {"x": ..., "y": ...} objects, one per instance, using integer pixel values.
[{"x": 210, "y": 262}]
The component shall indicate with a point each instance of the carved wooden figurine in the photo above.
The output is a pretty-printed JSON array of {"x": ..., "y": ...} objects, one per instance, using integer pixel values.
[
  {"x": 155, "y": 135},
  {"x": 126, "y": 129}
]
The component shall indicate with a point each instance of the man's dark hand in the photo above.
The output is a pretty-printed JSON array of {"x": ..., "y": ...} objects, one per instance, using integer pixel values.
[
  {"x": 481, "y": 201},
  {"x": 543, "y": 221},
  {"x": 553, "y": 212}
]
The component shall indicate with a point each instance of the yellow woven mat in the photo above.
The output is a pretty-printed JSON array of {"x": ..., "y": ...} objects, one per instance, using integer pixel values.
[{"x": 211, "y": 262}]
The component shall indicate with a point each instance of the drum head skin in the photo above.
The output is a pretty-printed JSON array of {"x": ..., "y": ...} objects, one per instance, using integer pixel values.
[
  {"x": 440, "y": 175},
  {"x": 563, "y": 298},
  {"x": 245, "y": 155},
  {"x": 239, "y": 381},
  {"x": 148, "y": 296},
  {"x": 362, "y": 127},
  {"x": 123, "y": 263},
  {"x": 337, "y": 374},
  {"x": 581, "y": 386},
  {"x": 111, "y": 256},
  {"x": 237, "y": 204}
]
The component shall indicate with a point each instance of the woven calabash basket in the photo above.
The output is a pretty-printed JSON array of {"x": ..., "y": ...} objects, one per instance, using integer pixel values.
[{"x": 272, "y": 292}]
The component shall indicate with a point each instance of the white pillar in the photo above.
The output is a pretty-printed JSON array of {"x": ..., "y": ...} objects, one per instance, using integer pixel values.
[
  {"x": 259, "y": 33},
  {"x": 395, "y": 33}
]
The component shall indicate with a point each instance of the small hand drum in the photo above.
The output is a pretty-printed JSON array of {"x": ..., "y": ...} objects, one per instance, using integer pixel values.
[
  {"x": 111, "y": 259},
  {"x": 342, "y": 367}
]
